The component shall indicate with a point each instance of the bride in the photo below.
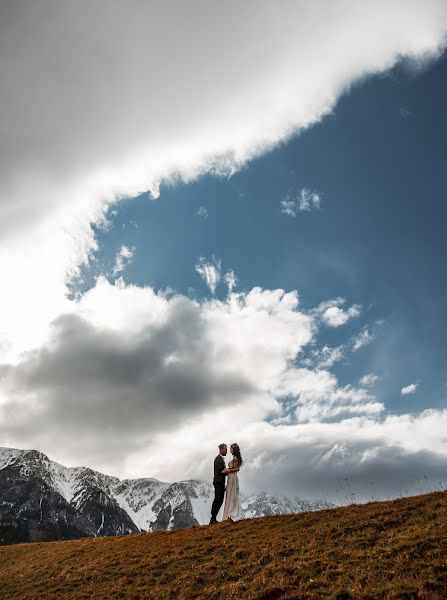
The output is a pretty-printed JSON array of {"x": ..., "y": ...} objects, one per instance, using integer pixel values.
[{"x": 233, "y": 509}]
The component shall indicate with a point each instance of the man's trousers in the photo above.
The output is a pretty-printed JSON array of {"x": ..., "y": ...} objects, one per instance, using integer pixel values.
[{"x": 219, "y": 493}]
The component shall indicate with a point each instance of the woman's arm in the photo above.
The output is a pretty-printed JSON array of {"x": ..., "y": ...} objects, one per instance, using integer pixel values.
[{"x": 234, "y": 469}]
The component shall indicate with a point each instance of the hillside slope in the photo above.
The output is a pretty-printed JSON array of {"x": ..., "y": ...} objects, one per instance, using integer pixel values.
[{"x": 393, "y": 549}]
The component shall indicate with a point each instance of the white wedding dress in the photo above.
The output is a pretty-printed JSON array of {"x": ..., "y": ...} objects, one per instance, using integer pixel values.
[{"x": 232, "y": 509}]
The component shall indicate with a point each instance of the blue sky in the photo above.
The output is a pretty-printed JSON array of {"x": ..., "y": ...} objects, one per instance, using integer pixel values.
[{"x": 378, "y": 239}]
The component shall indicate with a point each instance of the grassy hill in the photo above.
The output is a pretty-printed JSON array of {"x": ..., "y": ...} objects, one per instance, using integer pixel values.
[{"x": 393, "y": 549}]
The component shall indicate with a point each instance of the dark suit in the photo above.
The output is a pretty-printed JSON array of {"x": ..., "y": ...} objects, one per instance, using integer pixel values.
[{"x": 219, "y": 485}]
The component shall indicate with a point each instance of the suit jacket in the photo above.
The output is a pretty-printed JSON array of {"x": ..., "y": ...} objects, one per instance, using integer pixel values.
[{"x": 219, "y": 465}]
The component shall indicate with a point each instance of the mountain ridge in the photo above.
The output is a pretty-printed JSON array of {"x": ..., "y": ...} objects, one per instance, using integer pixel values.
[{"x": 112, "y": 506}]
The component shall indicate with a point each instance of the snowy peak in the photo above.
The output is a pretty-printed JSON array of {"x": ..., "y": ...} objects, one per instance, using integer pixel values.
[
  {"x": 263, "y": 505},
  {"x": 111, "y": 506}
]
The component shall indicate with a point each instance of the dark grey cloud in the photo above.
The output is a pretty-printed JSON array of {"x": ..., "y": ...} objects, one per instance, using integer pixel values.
[
  {"x": 111, "y": 390},
  {"x": 388, "y": 472}
]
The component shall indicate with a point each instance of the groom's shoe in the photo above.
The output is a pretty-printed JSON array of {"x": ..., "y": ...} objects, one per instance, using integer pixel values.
[{"x": 213, "y": 521}]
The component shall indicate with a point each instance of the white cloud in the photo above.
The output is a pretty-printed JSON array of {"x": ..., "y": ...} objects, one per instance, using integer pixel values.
[
  {"x": 123, "y": 258},
  {"x": 325, "y": 357},
  {"x": 364, "y": 338},
  {"x": 335, "y": 316},
  {"x": 231, "y": 280},
  {"x": 329, "y": 356},
  {"x": 308, "y": 200},
  {"x": 409, "y": 389},
  {"x": 288, "y": 207},
  {"x": 368, "y": 379},
  {"x": 316, "y": 201},
  {"x": 319, "y": 396},
  {"x": 303, "y": 458},
  {"x": 94, "y": 109},
  {"x": 305, "y": 201},
  {"x": 210, "y": 272},
  {"x": 202, "y": 212},
  {"x": 332, "y": 315}
]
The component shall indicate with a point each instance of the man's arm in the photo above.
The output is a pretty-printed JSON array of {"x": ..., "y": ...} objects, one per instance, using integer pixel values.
[
  {"x": 219, "y": 465},
  {"x": 222, "y": 465}
]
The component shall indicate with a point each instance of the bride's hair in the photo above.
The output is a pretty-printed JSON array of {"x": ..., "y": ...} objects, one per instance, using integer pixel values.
[{"x": 235, "y": 450}]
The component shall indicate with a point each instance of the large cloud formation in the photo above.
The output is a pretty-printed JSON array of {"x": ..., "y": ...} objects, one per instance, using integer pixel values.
[
  {"x": 103, "y": 100},
  {"x": 106, "y": 99},
  {"x": 136, "y": 382},
  {"x": 129, "y": 362}
]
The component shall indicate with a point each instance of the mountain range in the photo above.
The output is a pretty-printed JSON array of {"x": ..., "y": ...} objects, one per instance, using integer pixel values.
[{"x": 42, "y": 500}]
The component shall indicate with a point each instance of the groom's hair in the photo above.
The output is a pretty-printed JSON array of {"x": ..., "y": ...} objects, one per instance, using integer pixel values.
[{"x": 222, "y": 446}]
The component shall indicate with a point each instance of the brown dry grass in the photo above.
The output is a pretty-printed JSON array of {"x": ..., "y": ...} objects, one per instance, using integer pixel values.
[{"x": 394, "y": 549}]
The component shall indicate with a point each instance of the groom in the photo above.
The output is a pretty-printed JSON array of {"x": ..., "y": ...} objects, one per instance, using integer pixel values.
[{"x": 218, "y": 482}]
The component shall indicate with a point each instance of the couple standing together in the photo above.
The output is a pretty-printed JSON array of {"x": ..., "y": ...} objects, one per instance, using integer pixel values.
[{"x": 232, "y": 509}]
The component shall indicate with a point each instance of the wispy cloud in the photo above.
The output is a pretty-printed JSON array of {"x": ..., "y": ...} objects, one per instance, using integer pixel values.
[
  {"x": 362, "y": 339},
  {"x": 231, "y": 280},
  {"x": 304, "y": 201},
  {"x": 202, "y": 212},
  {"x": 288, "y": 207},
  {"x": 409, "y": 389},
  {"x": 323, "y": 358},
  {"x": 328, "y": 356},
  {"x": 369, "y": 379},
  {"x": 123, "y": 259},
  {"x": 210, "y": 272}
]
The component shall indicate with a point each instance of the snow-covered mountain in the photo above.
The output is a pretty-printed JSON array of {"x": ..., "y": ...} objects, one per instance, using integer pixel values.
[{"x": 106, "y": 505}]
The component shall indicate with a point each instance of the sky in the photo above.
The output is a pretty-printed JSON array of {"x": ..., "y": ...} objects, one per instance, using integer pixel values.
[{"x": 226, "y": 227}]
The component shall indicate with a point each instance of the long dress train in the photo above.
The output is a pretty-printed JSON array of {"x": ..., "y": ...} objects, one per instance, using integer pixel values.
[{"x": 233, "y": 509}]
